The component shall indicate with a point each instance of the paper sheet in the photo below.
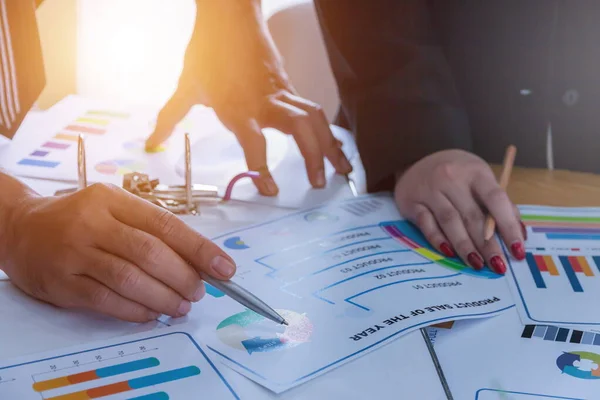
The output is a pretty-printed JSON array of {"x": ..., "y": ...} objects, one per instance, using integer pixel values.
[
  {"x": 163, "y": 365},
  {"x": 559, "y": 281},
  {"x": 46, "y": 147},
  {"x": 501, "y": 359},
  {"x": 344, "y": 278}
]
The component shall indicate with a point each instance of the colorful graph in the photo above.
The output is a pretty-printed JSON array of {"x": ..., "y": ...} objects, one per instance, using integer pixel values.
[
  {"x": 564, "y": 227},
  {"x": 557, "y": 334},
  {"x": 92, "y": 375},
  {"x": 119, "y": 167},
  {"x": 168, "y": 365},
  {"x": 94, "y": 122},
  {"x": 251, "y": 332},
  {"x": 408, "y": 235},
  {"x": 571, "y": 265},
  {"x": 132, "y": 384},
  {"x": 579, "y": 364}
]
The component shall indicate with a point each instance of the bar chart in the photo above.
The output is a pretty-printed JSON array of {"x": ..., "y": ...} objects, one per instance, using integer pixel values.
[
  {"x": 572, "y": 268},
  {"x": 563, "y": 227},
  {"x": 559, "y": 280},
  {"x": 169, "y": 366},
  {"x": 558, "y": 334}
]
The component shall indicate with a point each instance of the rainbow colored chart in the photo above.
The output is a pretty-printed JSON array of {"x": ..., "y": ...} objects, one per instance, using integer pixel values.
[
  {"x": 169, "y": 365},
  {"x": 563, "y": 227},
  {"x": 408, "y": 235},
  {"x": 92, "y": 122},
  {"x": 251, "y": 332}
]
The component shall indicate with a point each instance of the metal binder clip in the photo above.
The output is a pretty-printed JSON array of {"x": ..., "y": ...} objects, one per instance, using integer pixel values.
[{"x": 179, "y": 199}]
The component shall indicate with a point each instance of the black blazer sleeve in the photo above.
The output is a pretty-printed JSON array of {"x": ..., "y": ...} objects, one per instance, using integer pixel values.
[{"x": 397, "y": 91}]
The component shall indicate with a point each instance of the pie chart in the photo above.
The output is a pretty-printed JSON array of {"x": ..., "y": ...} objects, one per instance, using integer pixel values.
[{"x": 250, "y": 332}]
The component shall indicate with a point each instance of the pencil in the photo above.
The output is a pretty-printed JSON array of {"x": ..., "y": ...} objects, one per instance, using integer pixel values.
[{"x": 507, "y": 165}]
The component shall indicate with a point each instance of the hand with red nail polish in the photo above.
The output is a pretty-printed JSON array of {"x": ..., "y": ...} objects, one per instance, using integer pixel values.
[
  {"x": 447, "y": 195},
  {"x": 232, "y": 65}
]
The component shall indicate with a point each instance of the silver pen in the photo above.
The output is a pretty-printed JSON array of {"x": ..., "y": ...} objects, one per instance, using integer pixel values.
[{"x": 245, "y": 298}]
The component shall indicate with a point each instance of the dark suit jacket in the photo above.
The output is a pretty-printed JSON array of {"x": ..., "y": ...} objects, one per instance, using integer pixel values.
[{"x": 420, "y": 76}]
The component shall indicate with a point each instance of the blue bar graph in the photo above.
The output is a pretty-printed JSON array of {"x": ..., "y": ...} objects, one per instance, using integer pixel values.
[
  {"x": 571, "y": 274},
  {"x": 38, "y": 163},
  {"x": 572, "y": 236},
  {"x": 551, "y": 333},
  {"x": 127, "y": 367},
  {"x": 163, "y": 377},
  {"x": 596, "y": 261},
  {"x": 535, "y": 272}
]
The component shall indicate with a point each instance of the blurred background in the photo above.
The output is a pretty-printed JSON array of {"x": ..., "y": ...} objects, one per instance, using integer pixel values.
[{"x": 133, "y": 49}]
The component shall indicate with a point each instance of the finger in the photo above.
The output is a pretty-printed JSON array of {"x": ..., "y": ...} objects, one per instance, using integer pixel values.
[
  {"x": 523, "y": 227},
  {"x": 425, "y": 220},
  {"x": 329, "y": 144},
  {"x": 448, "y": 218},
  {"x": 87, "y": 293},
  {"x": 473, "y": 218},
  {"x": 295, "y": 121},
  {"x": 496, "y": 201},
  {"x": 155, "y": 258},
  {"x": 176, "y": 108},
  {"x": 131, "y": 282},
  {"x": 253, "y": 142},
  {"x": 203, "y": 254}
]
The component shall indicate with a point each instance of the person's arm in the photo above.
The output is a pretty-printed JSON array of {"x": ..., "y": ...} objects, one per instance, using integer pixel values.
[
  {"x": 106, "y": 250},
  {"x": 396, "y": 87},
  {"x": 13, "y": 194},
  {"x": 232, "y": 65}
]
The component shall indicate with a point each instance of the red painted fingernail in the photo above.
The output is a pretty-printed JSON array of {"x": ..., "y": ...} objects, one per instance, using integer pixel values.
[
  {"x": 447, "y": 250},
  {"x": 475, "y": 260},
  {"x": 524, "y": 229},
  {"x": 518, "y": 250},
  {"x": 498, "y": 265}
]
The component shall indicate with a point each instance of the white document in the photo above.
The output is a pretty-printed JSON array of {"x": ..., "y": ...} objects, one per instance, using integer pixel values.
[
  {"x": 162, "y": 365},
  {"x": 346, "y": 282},
  {"x": 559, "y": 281},
  {"x": 46, "y": 147},
  {"x": 501, "y": 359}
]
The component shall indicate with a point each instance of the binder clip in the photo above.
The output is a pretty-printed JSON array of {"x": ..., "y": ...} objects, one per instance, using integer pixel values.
[{"x": 179, "y": 199}]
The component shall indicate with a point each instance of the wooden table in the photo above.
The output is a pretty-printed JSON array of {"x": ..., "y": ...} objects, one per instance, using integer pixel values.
[{"x": 553, "y": 188}]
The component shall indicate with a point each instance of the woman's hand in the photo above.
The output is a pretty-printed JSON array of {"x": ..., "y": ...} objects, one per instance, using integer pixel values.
[
  {"x": 106, "y": 250},
  {"x": 447, "y": 195}
]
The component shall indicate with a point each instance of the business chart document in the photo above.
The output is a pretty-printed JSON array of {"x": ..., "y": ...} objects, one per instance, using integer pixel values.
[
  {"x": 559, "y": 281},
  {"x": 162, "y": 365},
  {"x": 501, "y": 359},
  {"x": 45, "y": 147},
  {"x": 348, "y": 277}
]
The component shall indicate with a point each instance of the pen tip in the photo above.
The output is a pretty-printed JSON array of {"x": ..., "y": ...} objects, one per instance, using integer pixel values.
[{"x": 285, "y": 323}]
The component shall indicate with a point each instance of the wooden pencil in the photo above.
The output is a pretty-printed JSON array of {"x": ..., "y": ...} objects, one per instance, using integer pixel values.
[{"x": 507, "y": 165}]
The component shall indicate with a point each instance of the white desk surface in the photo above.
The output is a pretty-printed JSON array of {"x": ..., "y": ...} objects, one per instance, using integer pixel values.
[{"x": 29, "y": 326}]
